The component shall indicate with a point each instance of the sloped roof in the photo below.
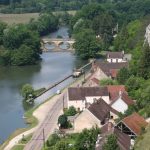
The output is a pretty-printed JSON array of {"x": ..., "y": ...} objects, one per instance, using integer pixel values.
[
  {"x": 124, "y": 96},
  {"x": 101, "y": 109},
  {"x": 79, "y": 93},
  {"x": 115, "y": 55},
  {"x": 114, "y": 90},
  {"x": 107, "y": 67},
  {"x": 123, "y": 140},
  {"x": 95, "y": 80},
  {"x": 135, "y": 122},
  {"x": 127, "y": 99}
]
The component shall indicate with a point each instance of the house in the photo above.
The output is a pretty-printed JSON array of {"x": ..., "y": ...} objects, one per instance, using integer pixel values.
[
  {"x": 109, "y": 70},
  {"x": 119, "y": 99},
  {"x": 97, "y": 114},
  {"x": 121, "y": 102},
  {"x": 115, "y": 57},
  {"x": 132, "y": 125},
  {"x": 123, "y": 140},
  {"x": 80, "y": 97}
]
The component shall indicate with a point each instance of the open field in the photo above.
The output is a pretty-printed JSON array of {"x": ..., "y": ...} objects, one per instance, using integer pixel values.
[
  {"x": 18, "y": 18},
  {"x": 23, "y": 18}
]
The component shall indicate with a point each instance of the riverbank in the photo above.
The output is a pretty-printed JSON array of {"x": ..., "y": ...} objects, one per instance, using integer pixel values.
[{"x": 35, "y": 117}]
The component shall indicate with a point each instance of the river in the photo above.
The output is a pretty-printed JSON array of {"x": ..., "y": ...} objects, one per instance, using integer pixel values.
[{"x": 53, "y": 67}]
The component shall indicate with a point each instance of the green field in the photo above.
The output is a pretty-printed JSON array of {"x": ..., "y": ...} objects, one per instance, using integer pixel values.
[
  {"x": 23, "y": 18},
  {"x": 18, "y": 18}
]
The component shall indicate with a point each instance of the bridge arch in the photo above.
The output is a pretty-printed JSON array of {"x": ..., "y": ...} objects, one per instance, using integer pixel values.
[{"x": 58, "y": 43}]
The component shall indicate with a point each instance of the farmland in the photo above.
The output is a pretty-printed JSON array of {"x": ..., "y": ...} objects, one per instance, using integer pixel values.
[
  {"x": 24, "y": 18},
  {"x": 18, "y": 18}
]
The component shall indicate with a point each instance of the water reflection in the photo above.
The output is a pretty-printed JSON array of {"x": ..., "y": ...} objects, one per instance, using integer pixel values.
[{"x": 64, "y": 45}]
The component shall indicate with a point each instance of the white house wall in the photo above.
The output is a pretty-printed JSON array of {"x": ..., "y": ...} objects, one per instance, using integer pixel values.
[
  {"x": 115, "y": 60},
  {"x": 120, "y": 105},
  {"x": 77, "y": 104}
]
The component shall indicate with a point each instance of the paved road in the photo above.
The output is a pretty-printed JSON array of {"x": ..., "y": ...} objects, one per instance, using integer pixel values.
[{"x": 48, "y": 126}]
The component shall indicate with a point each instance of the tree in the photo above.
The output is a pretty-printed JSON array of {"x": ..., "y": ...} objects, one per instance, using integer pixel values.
[
  {"x": 23, "y": 56},
  {"x": 27, "y": 90},
  {"x": 2, "y": 28},
  {"x": 62, "y": 120},
  {"x": 71, "y": 111},
  {"x": 86, "y": 45},
  {"x": 87, "y": 139},
  {"x": 123, "y": 75},
  {"x": 144, "y": 64},
  {"x": 111, "y": 143}
]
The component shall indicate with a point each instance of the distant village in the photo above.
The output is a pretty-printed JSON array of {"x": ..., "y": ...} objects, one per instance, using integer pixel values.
[{"x": 101, "y": 105}]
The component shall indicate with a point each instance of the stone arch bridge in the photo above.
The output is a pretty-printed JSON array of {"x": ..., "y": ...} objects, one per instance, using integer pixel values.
[{"x": 57, "y": 42}]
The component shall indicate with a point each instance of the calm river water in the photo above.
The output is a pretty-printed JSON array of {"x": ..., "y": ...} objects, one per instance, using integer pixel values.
[{"x": 53, "y": 67}]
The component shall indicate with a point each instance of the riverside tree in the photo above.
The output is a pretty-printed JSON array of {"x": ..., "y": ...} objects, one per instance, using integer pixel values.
[
  {"x": 86, "y": 45},
  {"x": 27, "y": 90}
]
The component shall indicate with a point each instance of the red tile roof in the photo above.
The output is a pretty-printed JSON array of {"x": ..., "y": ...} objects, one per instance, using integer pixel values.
[
  {"x": 135, "y": 122},
  {"x": 114, "y": 90}
]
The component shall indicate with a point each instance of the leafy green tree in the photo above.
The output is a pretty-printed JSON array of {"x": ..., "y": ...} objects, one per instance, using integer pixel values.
[
  {"x": 61, "y": 145},
  {"x": 62, "y": 120},
  {"x": 111, "y": 143},
  {"x": 27, "y": 90},
  {"x": 5, "y": 57},
  {"x": 71, "y": 111},
  {"x": 53, "y": 140},
  {"x": 144, "y": 64},
  {"x": 123, "y": 75},
  {"x": 2, "y": 28},
  {"x": 86, "y": 45},
  {"x": 103, "y": 26},
  {"x": 87, "y": 139},
  {"x": 23, "y": 56},
  {"x": 92, "y": 10}
]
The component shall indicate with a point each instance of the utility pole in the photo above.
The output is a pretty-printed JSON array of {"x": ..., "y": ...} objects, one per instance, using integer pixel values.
[{"x": 43, "y": 137}]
